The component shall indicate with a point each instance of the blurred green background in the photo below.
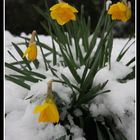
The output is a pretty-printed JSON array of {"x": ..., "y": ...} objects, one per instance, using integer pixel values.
[{"x": 20, "y": 16}]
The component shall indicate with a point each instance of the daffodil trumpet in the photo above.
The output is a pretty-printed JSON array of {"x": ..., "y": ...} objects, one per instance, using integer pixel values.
[
  {"x": 31, "y": 50},
  {"x": 48, "y": 110}
]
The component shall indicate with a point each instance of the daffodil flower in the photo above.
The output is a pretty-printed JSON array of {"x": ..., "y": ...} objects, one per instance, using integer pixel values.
[
  {"x": 63, "y": 13},
  {"x": 32, "y": 48},
  {"x": 48, "y": 110},
  {"x": 120, "y": 11}
]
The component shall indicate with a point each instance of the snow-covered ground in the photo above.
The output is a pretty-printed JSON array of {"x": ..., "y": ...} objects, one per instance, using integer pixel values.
[{"x": 22, "y": 124}]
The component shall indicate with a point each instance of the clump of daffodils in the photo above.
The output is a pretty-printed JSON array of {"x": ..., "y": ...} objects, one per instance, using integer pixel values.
[
  {"x": 120, "y": 11},
  {"x": 31, "y": 51},
  {"x": 48, "y": 110},
  {"x": 63, "y": 12}
]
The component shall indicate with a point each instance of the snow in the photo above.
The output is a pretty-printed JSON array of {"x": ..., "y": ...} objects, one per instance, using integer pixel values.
[
  {"x": 120, "y": 101},
  {"x": 21, "y": 123},
  {"x": 24, "y": 126}
]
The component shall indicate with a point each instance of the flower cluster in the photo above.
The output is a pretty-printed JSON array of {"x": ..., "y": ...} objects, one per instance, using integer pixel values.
[{"x": 63, "y": 12}]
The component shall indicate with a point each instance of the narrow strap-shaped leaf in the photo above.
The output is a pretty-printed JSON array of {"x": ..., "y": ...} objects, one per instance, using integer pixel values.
[
  {"x": 19, "y": 63},
  {"x": 15, "y": 68},
  {"x": 21, "y": 55},
  {"x": 110, "y": 45},
  {"x": 26, "y": 78},
  {"x": 67, "y": 81},
  {"x": 18, "y": 82},
  {"x": 16, "y": 63},
  {"x": 40, "y": 11},
  {"x": 99, "y": 133},
  {"x": 89, "y": 78},
  {"x": 120, "y": 56},
  {"x": 109, "y": 133},
  {"x": 36, "y": 63},
  {"x": 45, "y": 46},
  {"x": 88, "y": 97},
  {"x": 94, "y": 90},
  {"x": 131, "y": 61},
  {"x": 63, "y": 82},
  {"x": 26, "y": 38},
  {"x": 94, "y": 38},
  {"x": 125, "y": 45},
  {"x": 36, "y": 74},
  {"x": 42, "y": 54},
  {"x": 71, "y": 66},
  {"x": 24, "y": 72}
]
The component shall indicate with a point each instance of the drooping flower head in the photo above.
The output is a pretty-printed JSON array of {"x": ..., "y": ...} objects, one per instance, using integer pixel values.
[
  {"x": 63, "y": 13},
  {"x": 48, "y": 110},
  {"x": 120, "y": 11},
  {"x": 31, "y": 51}
]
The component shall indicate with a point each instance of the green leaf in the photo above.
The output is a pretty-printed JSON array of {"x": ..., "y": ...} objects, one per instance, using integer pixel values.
[
  {"x": 88, "y": 97},
  {"x": 25, "y": 78},
  {"x": 36, "y": 63},
  {"x": 36, "y": 74},
  {"x": 24, "y": 72},
  {"x": 18, "y": 82},
  {"x": 123, "y": 52},
  {"x": 63, "y": 82},
  {"x": 109, "y": 48},
  {"x": 10, "y": 66},
  {"x": 95, "y": 35},
  {"x": 16, "y": 63},
  {"x": 67, "y": 81},
  {"x": 89, "y": 78},
  {"x": 99, "y": 132},
  {"x": 45, "y": 46},
  {"x": 109, "y": 133},
  {"x": 71, "y": 66},
  {"x": 42, "y": 54},
  {"x": 54, "y": 53},
  {"x": 21, "y": 55},
  {"x": 19, "y": 63},
  {"x": 131, "y": 61},
  {"x": 40, "y": 11}
]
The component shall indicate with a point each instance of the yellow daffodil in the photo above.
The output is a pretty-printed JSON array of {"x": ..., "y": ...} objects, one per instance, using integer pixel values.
[
  {"x": 32, "y": 48},
  {"x": 120, "y": 11},
  {"x": 63, "y": 13},
  {"x": 48, "y": 110}
]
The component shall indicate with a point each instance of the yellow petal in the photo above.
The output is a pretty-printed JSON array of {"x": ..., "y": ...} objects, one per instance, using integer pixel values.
[
  {"x": 40, "y": 108},
  {"x": 74, "y": 10},
  {"x": 55, "y": 112},
  {"x": 32, "y": 54},
  {"x": 26, "y": 52},
  {"x": 129, "y": 13},
  {"x": 60, "y": 21},
  {"x": 55, "y": 6},
  {"x": 43, "y": 116},
  {"x": 121, "y": 6},
  {"x": 54, "y": 14},
  {"x": 73, "y": 17}
]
